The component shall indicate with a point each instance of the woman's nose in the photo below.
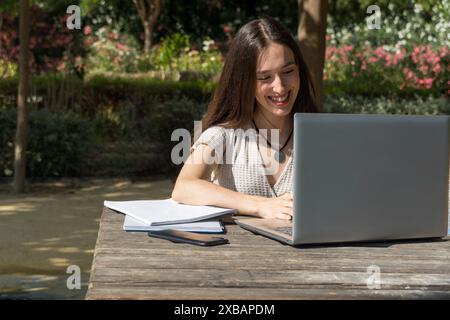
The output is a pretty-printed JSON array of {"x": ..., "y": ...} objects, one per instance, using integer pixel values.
[{"x": 278, "y": 85}]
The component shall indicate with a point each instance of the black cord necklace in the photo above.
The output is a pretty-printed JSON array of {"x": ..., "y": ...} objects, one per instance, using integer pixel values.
[{"x": 279, "y": 154}]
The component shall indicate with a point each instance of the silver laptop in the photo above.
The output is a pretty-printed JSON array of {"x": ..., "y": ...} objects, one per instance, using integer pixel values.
[{"x": 365, "y": 178}]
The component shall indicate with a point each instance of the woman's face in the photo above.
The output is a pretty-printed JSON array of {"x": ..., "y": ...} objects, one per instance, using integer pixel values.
[{"x": 278, "y": 80}]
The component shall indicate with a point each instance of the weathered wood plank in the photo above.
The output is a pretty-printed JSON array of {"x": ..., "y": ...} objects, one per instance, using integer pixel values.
[
  {"x": 111, "y": 291},
  {"x": 266, "y": 278},
  {"x": 316, "y": 265},
  {"x": 235, "y": 246}
]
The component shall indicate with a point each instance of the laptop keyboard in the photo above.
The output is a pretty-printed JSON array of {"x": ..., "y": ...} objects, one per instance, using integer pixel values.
[{"x": 285, "y": 230}]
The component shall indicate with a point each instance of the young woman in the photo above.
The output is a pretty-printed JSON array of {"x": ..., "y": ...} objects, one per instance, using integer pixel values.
[{"x": 263, "y": 83}]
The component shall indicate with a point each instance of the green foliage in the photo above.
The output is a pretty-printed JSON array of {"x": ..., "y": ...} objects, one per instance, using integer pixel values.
[
  {"x": 7, "y": 69},
  {"x": 207, "y": 62},
  {"x": 142, "y": 88},
  {"x": 171, "y": 49},
  {"x": 9, "y": 6},
  {"x": 131, "y": 141},
  {"x": 112, "y": 51},
  {"x": 7, "y": 133},
  {"x": 200, "y": 18},
  {"x": 177, "y": 54},
  {"x": 347, "y": 12},
  {"x": 102, "y": 93},
  {"x": 166, "y": 117},
  {"x": 58, "y": 143},
  {"x": 386, "y": 87},
  {"x": 386, "y": 105},
  {"x": 136, "y": 139},
  {"x": 88, "y": 5},
  {"x": 404, "y": 23}
]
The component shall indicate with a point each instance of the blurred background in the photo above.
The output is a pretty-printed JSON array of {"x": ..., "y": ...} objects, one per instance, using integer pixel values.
[{"x": 103, "y": 100}]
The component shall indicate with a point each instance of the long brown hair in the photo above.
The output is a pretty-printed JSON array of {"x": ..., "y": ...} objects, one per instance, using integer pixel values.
[{"x": 232, "y": 104}]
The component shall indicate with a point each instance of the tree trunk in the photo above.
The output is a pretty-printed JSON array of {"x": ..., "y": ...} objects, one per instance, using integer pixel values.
[
  {"x": 1, "y": 24},
  {"x": 311, "y": 35},
  {"x": 148, "y": 11},
  {"x": 22, "y": 117},
  {"x": 147, "y": 36}
]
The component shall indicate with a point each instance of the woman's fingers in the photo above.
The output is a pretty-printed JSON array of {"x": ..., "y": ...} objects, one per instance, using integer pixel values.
[
  {"x": 283, "y": 216},
  {"x": 288, "y": 196},
  {"x": 287, "y": 212},
  {"x": 289, "y": 204}
]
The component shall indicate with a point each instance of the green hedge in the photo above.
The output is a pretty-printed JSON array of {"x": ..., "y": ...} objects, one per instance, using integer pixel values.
[
  {"x": 58, "y": 143},
  {"x": 387, "y": 105},
  {"x": 103, "y": 94},
  {"x": 375, "y": 89},
  {"x": 136, "y": 140},
  {"x": 106, "y": 93}
]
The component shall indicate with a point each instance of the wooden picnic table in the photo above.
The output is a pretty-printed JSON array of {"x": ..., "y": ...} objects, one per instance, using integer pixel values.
[{"x": 134, "y": 266}]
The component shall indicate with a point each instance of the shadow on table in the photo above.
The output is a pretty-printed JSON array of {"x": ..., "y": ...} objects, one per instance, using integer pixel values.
[{"x": 372, "y": 244}]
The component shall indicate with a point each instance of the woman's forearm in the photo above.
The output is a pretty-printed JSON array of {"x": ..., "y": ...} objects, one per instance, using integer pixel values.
[{"x": 202, "y": 192}]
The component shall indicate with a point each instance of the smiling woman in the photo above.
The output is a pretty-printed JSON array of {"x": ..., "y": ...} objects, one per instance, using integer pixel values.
[{"x": 263, "y": 83}]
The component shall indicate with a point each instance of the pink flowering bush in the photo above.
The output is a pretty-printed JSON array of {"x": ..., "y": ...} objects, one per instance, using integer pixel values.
[
  {"x": 109, "y": 50},
  {"x": 420, "y": 68},
  {"x": 52, "y": 45}
]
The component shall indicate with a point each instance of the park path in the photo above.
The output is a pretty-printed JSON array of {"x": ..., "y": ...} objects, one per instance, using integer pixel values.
[{"x": 55, "y": 225}]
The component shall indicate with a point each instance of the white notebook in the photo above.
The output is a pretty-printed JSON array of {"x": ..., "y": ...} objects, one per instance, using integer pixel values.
[
  {"x": 131, "y": 224},
  {"x": 168, "y": 211}
]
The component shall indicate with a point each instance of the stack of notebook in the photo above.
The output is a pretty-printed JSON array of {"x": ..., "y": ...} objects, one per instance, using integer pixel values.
[{"x": 152, "y": 215}]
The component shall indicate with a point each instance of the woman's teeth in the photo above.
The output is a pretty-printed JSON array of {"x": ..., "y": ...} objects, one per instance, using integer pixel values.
[{"x": 280, "y": 99}]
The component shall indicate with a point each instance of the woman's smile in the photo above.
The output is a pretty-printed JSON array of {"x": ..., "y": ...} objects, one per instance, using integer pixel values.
[{"x": 280, "y": 100}]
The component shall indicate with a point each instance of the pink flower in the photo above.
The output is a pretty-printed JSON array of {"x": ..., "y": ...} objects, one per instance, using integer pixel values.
[
  {"x": 380, "y": 52},
  {"x": 408, "y": 73},
  {"x": 426, "y": 83},
  {"x": 348, "y": 48},
  {"x": 121, "y": 46},
  {"x": 424, "y": 69},
  {"x": 226, "y": 29},
  {"x": 61, "y": 66},
  {"x": 113, "y": 35},
  {"x": 87, "y": 30},
  {"x": 364, "y": 65},
  {"x": 443, "y": 51},
  {"x": 437, "y": 68},
  {"x": 432, "y": 58},
  {"x": 88, "y": 41}
]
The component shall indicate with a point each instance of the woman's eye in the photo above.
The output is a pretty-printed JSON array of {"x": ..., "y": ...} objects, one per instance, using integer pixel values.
[{"x": 268, "y": 77}]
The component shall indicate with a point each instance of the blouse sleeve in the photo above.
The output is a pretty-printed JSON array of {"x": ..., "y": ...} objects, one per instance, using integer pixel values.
[{"x": 215, "y": 137}]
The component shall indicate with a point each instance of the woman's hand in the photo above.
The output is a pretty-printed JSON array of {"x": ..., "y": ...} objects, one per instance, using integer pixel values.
[{"x": 277, "y": 207}]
